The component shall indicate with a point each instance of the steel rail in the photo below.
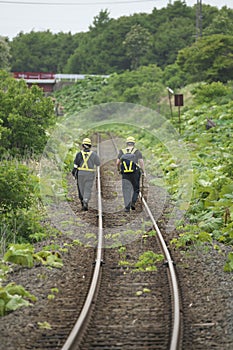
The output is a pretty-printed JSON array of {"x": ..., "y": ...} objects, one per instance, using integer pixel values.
[
  {"x": 175, "y": 339},
  {"x": 79, "y": 325},
  {"x": 174, "y": 344},
  {"x": 76, "y": 331}
]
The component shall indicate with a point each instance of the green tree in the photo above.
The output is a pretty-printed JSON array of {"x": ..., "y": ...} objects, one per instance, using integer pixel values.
[
  {"x": 100, "y": 21},
  {"x": 173, "y": 76},
  {"x": 26, "y": 115},
  {"x": 102, "y": 52},
  {"x": 41, "y": 51},
  {"x": 4, "y": 54},
  {"x": 209, "y": 59},
  {"x": 222, "y": 23},
  {"x": 212, "y": 93},
  {"x": 142, "y": 86},
  {"x": 172, "y": 36},
  {"x": 137, "y": 43},
  {"x": 208, "y": 14}
]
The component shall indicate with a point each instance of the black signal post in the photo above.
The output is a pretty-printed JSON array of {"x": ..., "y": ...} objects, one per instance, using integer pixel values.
[{"x": 179, "y": 101}]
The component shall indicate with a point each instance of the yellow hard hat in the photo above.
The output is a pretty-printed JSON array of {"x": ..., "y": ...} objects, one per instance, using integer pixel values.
[
  {"x": 86, "y": 141},
  {"x": 130, "y": 139}
]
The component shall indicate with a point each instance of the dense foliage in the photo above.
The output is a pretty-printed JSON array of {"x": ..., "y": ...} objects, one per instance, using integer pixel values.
[
  {"x": 25, "y": 116},
  {"x": 80, "y": 95},
  {"x": 115, "y": 45},
  {"x": 143, "y": 85},
  {"x": 209, "y": 59},
  {"x": 16, "y": 186},
  {"x": 41, "y": 51},
  {"x": 4, "y": 54}
]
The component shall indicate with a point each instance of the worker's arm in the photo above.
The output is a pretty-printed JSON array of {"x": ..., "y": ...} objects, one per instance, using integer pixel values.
[
  {"x": 118, "y": 164},
  {"x": 142, "y": 166}
]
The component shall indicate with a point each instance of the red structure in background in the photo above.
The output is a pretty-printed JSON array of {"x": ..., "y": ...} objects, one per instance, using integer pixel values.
[
  {"x": 33, "y": 75},
  {"x": 45, "y": 81}
]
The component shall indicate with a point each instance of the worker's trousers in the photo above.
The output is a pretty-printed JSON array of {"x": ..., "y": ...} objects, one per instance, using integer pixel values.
[
  {"x": 131, "y": 187},
  {"x": 85, "y": 181}
]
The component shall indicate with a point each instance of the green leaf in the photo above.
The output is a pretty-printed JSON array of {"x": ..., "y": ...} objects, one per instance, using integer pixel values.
[
  {"x": 229, "y": 264},
  {"x": 139, "y": 293},
  {"x": 16, "y": 302},
  {"x": 44, "y": 325},
  {"x": 205, "y": 237},
  {"x": 21, "y": 254},
  {"x": 2, "y": 307}
]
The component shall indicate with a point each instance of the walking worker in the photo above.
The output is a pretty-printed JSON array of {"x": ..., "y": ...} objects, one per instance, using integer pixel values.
[
  {"x": 131, "y": 165},
  {"x": 84, "y": 171}
]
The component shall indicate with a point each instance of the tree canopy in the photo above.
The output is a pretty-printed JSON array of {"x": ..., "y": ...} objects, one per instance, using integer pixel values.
[
  {"x": 41, "y": 51},
  {"x": 116, "y": 45},
  {"x": 208, "y": 59},
  {"x": 137, "y": 43},
  {"x": 25, "y": 116},
  {"x": 4, "y": 54},
  {"x": 101, "y": 49}
]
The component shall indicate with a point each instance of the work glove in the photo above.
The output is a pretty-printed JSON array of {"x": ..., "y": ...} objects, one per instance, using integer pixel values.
[{"x": 74, "y": 173}]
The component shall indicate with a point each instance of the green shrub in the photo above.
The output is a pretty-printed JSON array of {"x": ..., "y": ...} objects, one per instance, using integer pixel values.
[
  {"x": 17, "y": 186},
  {"x": 206, "y": 93},
  {"x": 12, "y": 297}
]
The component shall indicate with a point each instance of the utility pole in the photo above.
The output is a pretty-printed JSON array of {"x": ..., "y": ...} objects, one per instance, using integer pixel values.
[
  {"x": 170, "y": 92},
  {"x": 199, "y": 19}
]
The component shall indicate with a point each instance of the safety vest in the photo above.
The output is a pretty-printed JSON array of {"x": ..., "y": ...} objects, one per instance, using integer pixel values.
[
  {"x": 128, "y": 161},
  {"x": 84, "y": 166}
]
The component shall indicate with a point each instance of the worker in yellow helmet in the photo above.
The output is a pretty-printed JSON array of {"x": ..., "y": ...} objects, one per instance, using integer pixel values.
[
  {"x": 84, "y": 171},
  {"x": 131, "y": 165}
]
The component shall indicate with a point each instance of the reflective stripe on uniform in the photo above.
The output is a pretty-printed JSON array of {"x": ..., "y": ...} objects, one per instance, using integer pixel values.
[
  {"x": 84, "y": 166},
  {"x": 127, "y": 150},
  {"x": 128, "y": 169}
]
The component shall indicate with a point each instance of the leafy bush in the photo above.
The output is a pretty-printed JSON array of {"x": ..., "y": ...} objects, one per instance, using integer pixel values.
[
  {"x": 12, "y": 297},
  {"x": 79, "y": 95},
  {"x": 207, "y": 93},
  {"x": 26, "y": 115},
  {"x": 21, "y": 214},
  {"x": 229, "y": 264},
  {"x": 20, "y": 254},
  {"x": 24, "y": 254},
  {"x": 147, "y": 261},
  {"x": 142, "y": 86},
  {"x": 17, "y": 186}
]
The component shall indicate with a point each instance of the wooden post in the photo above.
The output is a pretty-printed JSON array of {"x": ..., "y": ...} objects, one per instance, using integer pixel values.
[{"x": 170, "y": 92}]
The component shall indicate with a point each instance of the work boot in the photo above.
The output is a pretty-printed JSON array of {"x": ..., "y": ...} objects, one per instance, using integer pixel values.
[
  {"x": 133, "y": 205},
  {"x": 85, "y": 206},
  {"x": 127, "y": 210}
]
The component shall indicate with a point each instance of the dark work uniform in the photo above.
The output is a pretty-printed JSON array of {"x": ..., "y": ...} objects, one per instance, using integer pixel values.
[
  {"x": 131, "y": 182},
  {"x": 85, "y": 162}
]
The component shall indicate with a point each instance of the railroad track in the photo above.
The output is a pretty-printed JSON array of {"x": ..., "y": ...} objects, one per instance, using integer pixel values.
[
  {"x": 133, "y": 309},
  {"x": 127, "y": 307}
]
